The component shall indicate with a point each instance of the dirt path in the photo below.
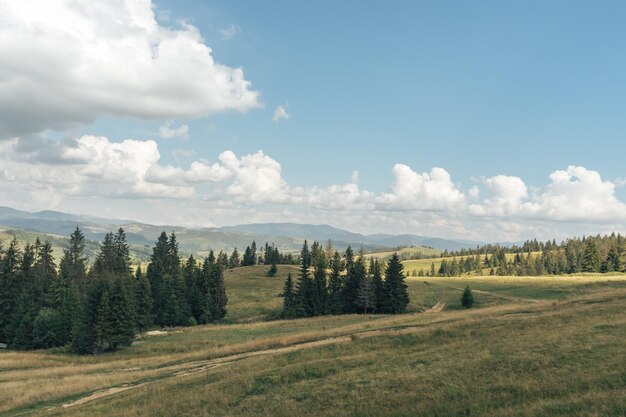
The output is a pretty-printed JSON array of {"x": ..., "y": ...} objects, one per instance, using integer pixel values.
[
  {"x": 190, "y": 368},
  {"x": 490, "y": 293},
  {"x": 436, "y": 308}
]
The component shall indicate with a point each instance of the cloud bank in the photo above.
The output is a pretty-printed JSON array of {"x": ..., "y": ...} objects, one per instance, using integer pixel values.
[{"x": 132, "y": 170}]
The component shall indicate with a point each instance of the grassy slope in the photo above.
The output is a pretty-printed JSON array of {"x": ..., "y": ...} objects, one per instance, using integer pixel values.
[
  {"x": 506, "y": 357},
  {"x": 425, "y": 264},
  {"x": 406, "y": 251}
]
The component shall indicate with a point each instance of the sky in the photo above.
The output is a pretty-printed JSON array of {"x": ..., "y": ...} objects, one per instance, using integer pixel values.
[{"x": 486, "y": 120}]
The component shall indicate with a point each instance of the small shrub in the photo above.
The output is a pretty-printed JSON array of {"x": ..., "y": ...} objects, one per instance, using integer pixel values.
[{"x": 467, "y": 299}]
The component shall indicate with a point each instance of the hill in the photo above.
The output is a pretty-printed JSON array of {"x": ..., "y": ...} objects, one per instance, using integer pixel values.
[
  {"x": 502, "y": 358},
  {"x": 286, "y": 236}
]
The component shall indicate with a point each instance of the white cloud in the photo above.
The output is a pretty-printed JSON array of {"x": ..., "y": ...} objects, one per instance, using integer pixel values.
[
  {"x": 121, "y": 178},
  {"x": 229, "y": 32},
  {"x": 167, "y": 131},
  {"x": 474, "y": 192},
  {"x": 508, "y": 195},
  {"x": 280, "y": 114},
  {"x": 576, "y": 194},
  {"x": 66, "y": 62},
  {"x": 422, "y": 191}
]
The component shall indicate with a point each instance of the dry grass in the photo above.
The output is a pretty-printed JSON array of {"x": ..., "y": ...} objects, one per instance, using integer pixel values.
[
  {"x": 505, "y": 360},
  {"x": 578, "y": 332}
]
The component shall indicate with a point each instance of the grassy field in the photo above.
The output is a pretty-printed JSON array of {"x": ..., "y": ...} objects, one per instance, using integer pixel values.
[
  {"x": 533, "y": 346},
  {"x": 419, "y": 264},
  {"x": 410, "y": 251}
]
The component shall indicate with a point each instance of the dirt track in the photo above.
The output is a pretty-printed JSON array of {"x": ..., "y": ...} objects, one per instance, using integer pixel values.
[{"x": 190, "y": 368}]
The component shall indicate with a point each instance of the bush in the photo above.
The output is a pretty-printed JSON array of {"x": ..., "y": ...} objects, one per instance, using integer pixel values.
[{"x": 467, "y": 299}]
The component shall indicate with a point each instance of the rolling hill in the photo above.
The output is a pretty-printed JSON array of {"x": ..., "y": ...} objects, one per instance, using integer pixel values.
[{"x": 54, "y": 225}]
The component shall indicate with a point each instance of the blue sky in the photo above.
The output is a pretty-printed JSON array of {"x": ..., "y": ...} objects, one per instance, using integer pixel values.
[
  {"x": 522, "y": 87},
  {"x": 520, "y": 103}
]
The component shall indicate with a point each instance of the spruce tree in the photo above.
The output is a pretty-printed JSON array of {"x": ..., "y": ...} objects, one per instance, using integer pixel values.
[
  {"x": 10, "y": 275},
  {"x": 234, "y": 261},
  {"x": 591, "y": 256},
  {"x": 320, "y": 287},
  {"x": 289, "y": 298},
  {"x": 335, "y": 285},
  {"x": 395, "y": 285},
  {"x": 121, "y": 321},
  {"x": 304, "y": 288},
  {"x": 73, "y": 265},
  {"x": 102, "y": 324},
  {"x": 143, "y": 300}
]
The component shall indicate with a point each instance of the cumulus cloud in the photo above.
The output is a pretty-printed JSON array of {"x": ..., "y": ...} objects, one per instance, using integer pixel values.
[
  {"x": 421, "y": 191},
  {"x": 167, "y": 131},
  {"x": 508, "y": 195},
  {"x": 65, "y": 62},
  {"x": 92, "y": 170},
  {"x": 576, "y": 194},
  {"x": 280, "y": 114}
]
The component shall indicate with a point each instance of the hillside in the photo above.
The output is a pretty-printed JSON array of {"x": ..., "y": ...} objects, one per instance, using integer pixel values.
[{"x": 501, "y": 358}]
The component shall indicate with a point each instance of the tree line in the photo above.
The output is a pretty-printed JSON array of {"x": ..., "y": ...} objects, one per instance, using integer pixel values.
[
  {"x": 599, "y": 254},
  {"x": 344, "y": 285},
  {"x": 97, "y": 308}
]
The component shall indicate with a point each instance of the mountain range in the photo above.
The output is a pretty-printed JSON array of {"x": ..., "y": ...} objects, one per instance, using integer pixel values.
[{"x": 141, "y": 236}]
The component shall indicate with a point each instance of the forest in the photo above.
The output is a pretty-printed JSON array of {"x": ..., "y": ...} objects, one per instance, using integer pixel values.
[
  {"x": 97, "y": 308},
  {"x": 592, "y": 254}
]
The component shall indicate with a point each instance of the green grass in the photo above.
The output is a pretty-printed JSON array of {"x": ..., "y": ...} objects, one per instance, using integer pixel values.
[
  {"x": 511, "y": 355},
  {"x": 425, "y": 264},
  {"x": 410, "y": 251},
  {"x": 252, "y": 295},
  {"x": 541, "y": 359}
]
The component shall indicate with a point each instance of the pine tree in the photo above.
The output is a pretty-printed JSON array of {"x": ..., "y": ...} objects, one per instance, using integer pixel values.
[
  {"x": 351, "y": 284},
  {"x": 121, "y": 320},
  {"x": 320, "y": 288},
  {"x": 613, "y": 261},
  {"x": 467, "y": 298},
  {"x": 395, "y": 285},
  {"x": 381, "y": 297},
  {"x": 289, "y": 298},
  {"x": 591, "y": 257},
  {"x": 335, "y": 285},
  {"x": 216, "y": 298},
  {"x": 73, "y": 265},
  {"x": 304, "y": 288},
  {"x": 273, "y": 270},
  {"x": 102, "y": 324},
  {"x": 234, "y": 260},
  {"x": 143, "y": 300},
  {"x": 9, "y": 290}
]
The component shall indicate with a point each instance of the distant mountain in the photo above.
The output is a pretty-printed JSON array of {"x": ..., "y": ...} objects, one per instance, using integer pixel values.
[
  {"x": 343, "y": 238},
  {"x": 287, "y": 236}
]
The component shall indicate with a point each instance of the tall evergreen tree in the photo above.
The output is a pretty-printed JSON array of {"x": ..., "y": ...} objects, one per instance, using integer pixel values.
[
  {"x": 396, "y": 287},
  {"x": 143, "y": 300},
  {"x": 234, "y": 261},
  {"x": 73, "y": 265},
  {"x": 335, "y": 285},
  {"x": 304, "y": 287},
  {"x": 10, "y": 275},
  {"x": 289, "y": 298},
  {"x": 591, "y": 256}
]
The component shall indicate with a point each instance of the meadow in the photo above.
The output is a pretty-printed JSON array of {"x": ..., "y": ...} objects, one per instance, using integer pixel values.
[{"x": 531, "y": 346}]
